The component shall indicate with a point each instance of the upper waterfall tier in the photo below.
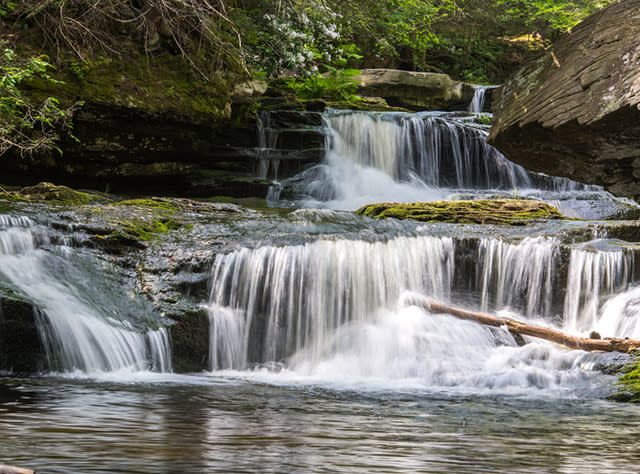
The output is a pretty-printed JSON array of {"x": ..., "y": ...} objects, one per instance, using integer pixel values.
[{"x": 394, "y": 156}]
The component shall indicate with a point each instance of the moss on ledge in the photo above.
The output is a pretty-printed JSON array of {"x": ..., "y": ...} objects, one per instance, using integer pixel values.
[
  {"x": 499, "y": 211},
  {"x": 50, "y": 193},
  {"x": 159, "y": 84}
]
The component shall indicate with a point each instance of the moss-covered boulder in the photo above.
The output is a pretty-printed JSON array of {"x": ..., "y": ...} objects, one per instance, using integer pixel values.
[
  {"x": 51, "y": 193},
  {"x": 485, "y": 211}
]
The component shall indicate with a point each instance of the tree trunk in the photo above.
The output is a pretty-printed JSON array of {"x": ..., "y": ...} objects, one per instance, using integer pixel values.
[{"x": 524, "y": 329}]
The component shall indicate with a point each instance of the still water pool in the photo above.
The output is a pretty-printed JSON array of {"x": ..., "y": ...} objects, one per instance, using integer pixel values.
[{"x": 235, "y": 422}]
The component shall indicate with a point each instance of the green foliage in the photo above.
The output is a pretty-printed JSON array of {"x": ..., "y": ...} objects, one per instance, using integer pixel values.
[
  {"x": 474, "y": 40},
  {"x": 78, "y": 69},
  {"x": 7, "y": 8},
  {"x": 26, "y": 126},
  {"x": 335, "y": 85}
]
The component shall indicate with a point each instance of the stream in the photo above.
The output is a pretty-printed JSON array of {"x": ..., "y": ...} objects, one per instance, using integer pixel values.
[{"x": 315, "y": 362}]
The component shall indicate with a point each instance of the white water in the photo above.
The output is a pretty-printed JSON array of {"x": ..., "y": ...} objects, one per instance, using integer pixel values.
[
  {"x": 375, "y": 157},
  {"x": 267, "y": 141},
  {"x": 333, "y": 310},
  {"x": 479, "y": 99},
  {"x": 271, "y": 302},
  {"x": 518, "y": 276},
  {"x": 594, "y": 276},
  {"x": 77, "y": 330},
  {"x": 436, "y": 148}
]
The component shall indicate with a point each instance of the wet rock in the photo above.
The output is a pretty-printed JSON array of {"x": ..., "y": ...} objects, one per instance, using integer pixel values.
[
  {"x": 20, "y": 348},
  {"x": 189, "y": 338},
  {"x": 498, "y": 211},
  {"x": 415, "y": 90},
  {"x": 612, "y": 363},
  {"x": 575, "y": 112}
]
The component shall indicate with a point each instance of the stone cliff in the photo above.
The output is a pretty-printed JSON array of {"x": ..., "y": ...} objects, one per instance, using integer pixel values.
[{"x": 575, "y": 112}]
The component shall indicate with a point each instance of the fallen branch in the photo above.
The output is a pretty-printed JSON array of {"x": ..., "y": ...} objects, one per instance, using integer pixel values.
[
  {"x": 524, "y": 329},
  {"x": 4, "y": 469}
]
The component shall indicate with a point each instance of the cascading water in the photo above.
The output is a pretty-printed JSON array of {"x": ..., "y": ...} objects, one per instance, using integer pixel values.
[
  {"x": 594, "y": 276},
  {"x": 82, "y": 327},
  {"x": 315, "y": 301},
  {"x": 509, "y": 280},
  {"x": 274, "y": 301},
  {"x": 267, "y": 142},
  {"x": 334, "y": 308},
  {"x": 374, "y": 157},
  {"x": 477, "y": 103}
]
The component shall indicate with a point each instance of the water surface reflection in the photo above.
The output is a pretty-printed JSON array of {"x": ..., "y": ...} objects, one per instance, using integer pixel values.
[{"x": 198, "y": 424}]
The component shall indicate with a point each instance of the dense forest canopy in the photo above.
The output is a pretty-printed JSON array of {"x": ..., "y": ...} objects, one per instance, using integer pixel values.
[{"x": 472, "y": 40}]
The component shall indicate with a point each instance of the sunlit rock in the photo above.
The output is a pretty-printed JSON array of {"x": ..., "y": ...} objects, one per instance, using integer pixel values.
[{"x": 575, "y": 112}]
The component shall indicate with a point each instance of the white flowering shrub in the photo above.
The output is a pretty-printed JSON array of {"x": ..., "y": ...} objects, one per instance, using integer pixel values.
[{"x": 296, "y": 41}]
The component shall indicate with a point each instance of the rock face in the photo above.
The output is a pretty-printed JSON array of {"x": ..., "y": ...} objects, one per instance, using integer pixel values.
[
  {"x": 123, "y": 149},
  {"x": 575, "y": 112},
  {"x": 415, "y": 90},
  {"x": 20, "y": 347}
]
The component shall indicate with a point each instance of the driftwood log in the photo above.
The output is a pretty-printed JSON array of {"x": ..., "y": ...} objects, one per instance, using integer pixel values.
[
  {"x": 524, "y": 329},
  {"x": 4, "y": 469}
]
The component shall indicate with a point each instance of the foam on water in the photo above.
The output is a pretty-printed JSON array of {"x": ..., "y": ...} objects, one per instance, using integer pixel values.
[{"x": 332, "y": 312}]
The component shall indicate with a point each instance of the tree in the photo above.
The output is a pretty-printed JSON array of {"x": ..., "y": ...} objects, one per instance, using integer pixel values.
[{"x": 25, "y": 126}]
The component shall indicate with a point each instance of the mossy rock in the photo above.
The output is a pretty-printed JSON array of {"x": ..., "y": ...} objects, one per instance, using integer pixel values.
[
  {"x": 163, "y": 204},
  {"x": 50, "y": 193},
  {"x": 499, "y": 211},
  {"x": 629, "y": 383}
]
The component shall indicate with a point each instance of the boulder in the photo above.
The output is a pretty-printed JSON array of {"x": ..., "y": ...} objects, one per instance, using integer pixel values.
[
  {"x": 415, "y": 90},
  {"x": 248, "y": 91},
  {"x": 575, "y": 111},
  {"x": 481, "y": 211}
]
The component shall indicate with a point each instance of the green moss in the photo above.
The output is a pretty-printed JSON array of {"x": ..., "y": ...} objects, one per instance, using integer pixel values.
[
  {"x": 502, "y": 211},
  {"x": 157, "y": 218},
  {"x": 162, "y": 83},
  {"x": 11, "y": 197},
  {"x": 150, "y": 203},
  {"x": 54, "y": 194},
  {"x": 145, "y": 229},
  {"x": 629, "y": 383}
]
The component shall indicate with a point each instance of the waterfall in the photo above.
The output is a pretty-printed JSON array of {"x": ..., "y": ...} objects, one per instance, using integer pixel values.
[
  {"x": 427, "y": 156},
  {"x": 82, "y": 327},
  {"x": 305, "y": 304},
  {"x": 479, "y": 95},
  {"x": 521, "y": 276},
  {"x": 275, "y": 301},
  {"x": 334, "y": 310},
  {"x": 439, "y": 149},
  {"x": 593, "y": 276},
  {"x": 267, "y": 143}
]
